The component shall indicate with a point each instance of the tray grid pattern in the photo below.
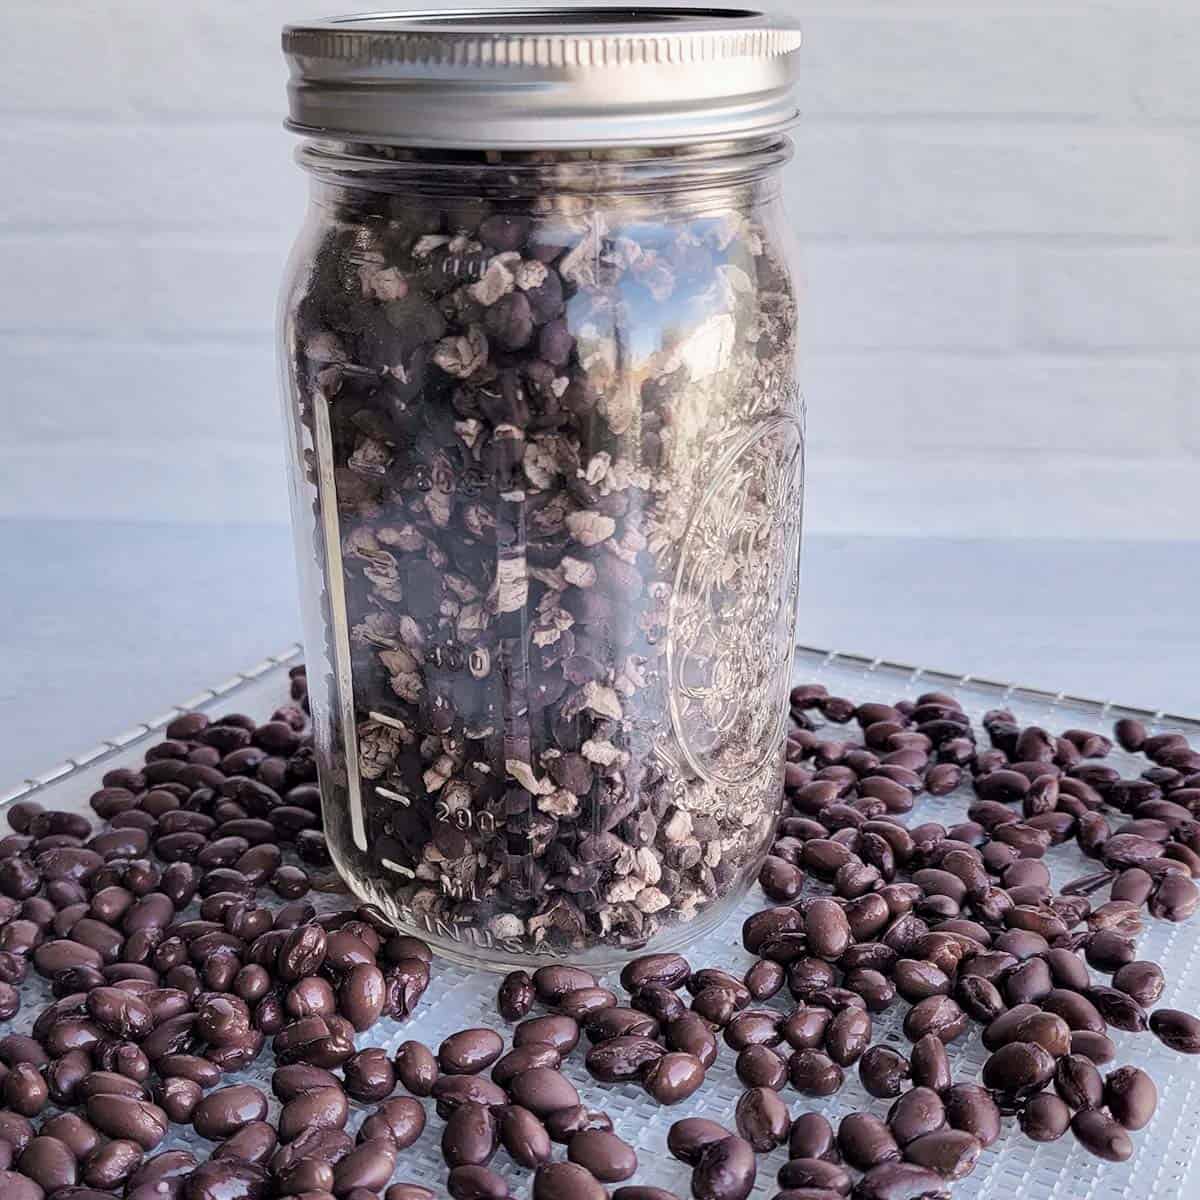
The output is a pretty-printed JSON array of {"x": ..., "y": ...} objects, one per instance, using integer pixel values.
[{"x": 1164, "y": 1160}]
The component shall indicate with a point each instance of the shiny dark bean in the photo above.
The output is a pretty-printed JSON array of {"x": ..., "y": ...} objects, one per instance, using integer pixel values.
[
  {"x": 952, "y": 1153},
  {"x": 49, "y": 1163},
  {"x": 1098, "y": 1047},
  {"x": 1099, "y": 1134},
  {"x": 762, "y": 1118},
  {"x": 368, "y": 1166},
  {"x": 1142, "y": 981},
  {"x": 813, "y": 1173},
  {"x": 690, "y": 1034},
  {"x": 129, "y": 1119},
  {"x": 689, "y": 1138},
  {"x": 416, "y": 1068},
  {"x": 564, "y": 1123},
  {"x": 108, "y": 1166},
  {"x": 814, "y": 1073},
  {"x": 726, "y": 1171},
  {"x": 883, "y": 1071},
  {"x": 515, "y": 996},
  {"x": 323, "y": 1108},
  {"x": 470, "y": 1051},
  {"x": 225, "y": 1110},
  {"x": 473, "y": 1183},
  {"x": 1131, "y": 1097},
  {"x": 827, "y": 929},
  {"x": 865, "y": 1141},
  {"x": 765, "y": 979},
  {"x": 1178, "y": 1030},
  {"x": 603, "y": 1154},
  {"x": 938, "y": 1015},
  {"x": 451, "y": 1091},
  {"x": 848, "y": 1035},
  {"x": 73, "y": 1131},
  {"x": 401, "y": 1119},
  {"x": 1017, "y": 1070},
  {"x": 524, "y": 1136},
  {"x": 253, "y": 1143},
  {"x": 673, "y": 1077},
  {"x": 670, "y": 970},
  {"x": 760, "y": 1066},
  {"x": 543, "y": 1090},
  {"x": 1078, "y": 1082},
  {"x": 470, "y": 1136},
  {"x": 1118, "y": 1009},
  {"x": 917, "y": 1112},
  {"x": 558, "y": 1031}
]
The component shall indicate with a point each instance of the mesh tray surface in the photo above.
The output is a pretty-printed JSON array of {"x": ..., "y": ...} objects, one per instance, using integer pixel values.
[{"x": 1164, "y": 1160}]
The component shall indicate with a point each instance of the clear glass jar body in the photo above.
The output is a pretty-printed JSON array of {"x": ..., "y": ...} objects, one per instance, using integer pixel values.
[{"x": 547, "y": 457}]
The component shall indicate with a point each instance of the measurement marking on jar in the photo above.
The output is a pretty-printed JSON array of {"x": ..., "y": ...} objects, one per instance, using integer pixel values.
[
  {"x": 390, "y": 865},
  {"x": 339, "y": 618},
  {"x": 388, "y": 794},
  {"x": 384, "y": 719}
]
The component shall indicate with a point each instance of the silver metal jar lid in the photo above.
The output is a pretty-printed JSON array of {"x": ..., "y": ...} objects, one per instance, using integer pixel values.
[{"x": 507, "y": 78}]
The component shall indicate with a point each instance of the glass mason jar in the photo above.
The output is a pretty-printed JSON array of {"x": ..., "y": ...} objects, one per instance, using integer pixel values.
[{"x": 547, "y": 457}]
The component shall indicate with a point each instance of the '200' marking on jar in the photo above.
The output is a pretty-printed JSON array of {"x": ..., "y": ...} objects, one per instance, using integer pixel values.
[{"x": 733, "y": 610}]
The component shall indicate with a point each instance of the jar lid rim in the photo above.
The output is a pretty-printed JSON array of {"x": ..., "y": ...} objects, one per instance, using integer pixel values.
[{"x": 526, "y": 78}]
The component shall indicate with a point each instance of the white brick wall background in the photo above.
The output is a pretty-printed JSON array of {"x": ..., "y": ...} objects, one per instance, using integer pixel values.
[{"x": 998, "y": 202}]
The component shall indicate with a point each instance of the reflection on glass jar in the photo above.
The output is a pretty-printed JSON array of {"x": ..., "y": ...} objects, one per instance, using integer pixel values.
[{"x": 547, "y": 479}]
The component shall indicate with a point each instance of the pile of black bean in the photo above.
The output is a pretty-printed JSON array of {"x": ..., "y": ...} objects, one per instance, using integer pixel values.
[{"x": 177, "y": 945}]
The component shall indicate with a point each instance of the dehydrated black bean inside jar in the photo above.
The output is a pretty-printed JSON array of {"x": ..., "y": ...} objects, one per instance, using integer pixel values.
[{"x": 548, "y": 462}]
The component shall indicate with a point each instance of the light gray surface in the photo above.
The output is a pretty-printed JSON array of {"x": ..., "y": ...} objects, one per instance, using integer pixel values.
[{"x": 104, "y": 624}]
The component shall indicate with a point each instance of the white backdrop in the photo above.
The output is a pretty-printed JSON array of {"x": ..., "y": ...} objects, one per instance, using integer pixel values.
[{"x": 999, "y": 203}]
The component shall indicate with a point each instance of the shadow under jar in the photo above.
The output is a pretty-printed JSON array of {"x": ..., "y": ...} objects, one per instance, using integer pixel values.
[{"x": 547, "y": 449}]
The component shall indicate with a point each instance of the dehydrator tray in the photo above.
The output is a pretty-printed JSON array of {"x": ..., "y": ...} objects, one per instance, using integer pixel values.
[{"x": 1164, "y": 1163}]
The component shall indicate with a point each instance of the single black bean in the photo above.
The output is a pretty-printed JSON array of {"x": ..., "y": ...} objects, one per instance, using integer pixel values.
[
  {"x": 553, "y": 982},
  {"x": 815, "y": 1173},
  {"x": 471, "y": 1182},
  {"x": 225, "y": 1110},
  {"x": 866, "y": 1141},
  {"x": 564, "y": 1123},
  {"x": 401, "y": 1119},
  {"x": 917, "y": 1112},
  {"x": 726, "y": 1171},
  {"x": 689, "y": 1138},
  {"x": 470, "y": 1051},
  {"x": 762, "y": 1119},
  {"x": 470, "y": 1136},
  {"x": 558, "y": 1031},
  {"x": 566, "y": 1181},
  {"x": 760, "y": 1066},
  {"x": 952, "y": 1153},
  {"x": 131, "y": 1119},
  {"x": 901, "y": 1181},
  {"x": 1100, "y": 1134},
  {"x": 49, "y": 1163},
  {"x": 1131, "y": 1096},
  {"x": 1178, "y": 1030},
  {"x": 524, "y": 1136},
  {"x": 670, "y": 970},
  {"x": 883, "y": 1071},
  {"x": 673, "y": 1077},
  {"x": 603, "y": 1154},
  {"x": 416, "y": 1068},
  {"x": 814, "y": 1073},
  {"x": 812, "y": 1136},
  {"x": 543, "y": 1090}
]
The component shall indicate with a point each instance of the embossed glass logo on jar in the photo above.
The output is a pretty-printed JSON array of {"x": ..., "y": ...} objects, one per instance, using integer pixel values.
[{"x": 733, "y": 611}]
